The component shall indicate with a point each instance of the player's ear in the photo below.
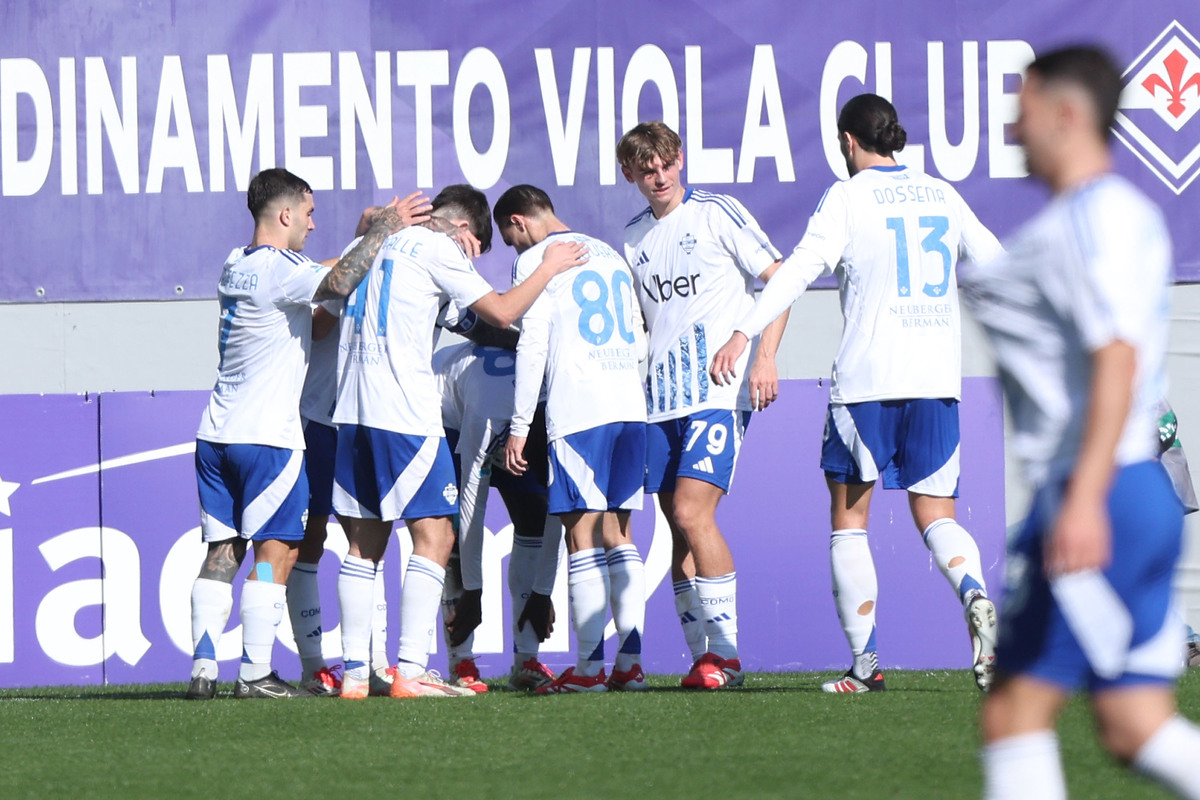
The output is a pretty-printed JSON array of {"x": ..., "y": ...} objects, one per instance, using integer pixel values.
[
  {"x": 627, "y": 173},
  {"x": 285, "y": 216}
]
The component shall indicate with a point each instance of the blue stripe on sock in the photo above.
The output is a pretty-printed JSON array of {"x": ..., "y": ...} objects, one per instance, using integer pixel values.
[
  {"x": 204, "y": 648},
  {"x": 968, "y": 585}
]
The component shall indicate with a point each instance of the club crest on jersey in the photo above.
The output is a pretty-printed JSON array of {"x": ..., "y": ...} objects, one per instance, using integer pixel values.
[
  {"x": 688, "y": 243},
  {"x": 1159, "y": 103}
]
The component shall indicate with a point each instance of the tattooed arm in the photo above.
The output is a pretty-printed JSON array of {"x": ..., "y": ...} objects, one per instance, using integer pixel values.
[{"x": 350, "y": 269}]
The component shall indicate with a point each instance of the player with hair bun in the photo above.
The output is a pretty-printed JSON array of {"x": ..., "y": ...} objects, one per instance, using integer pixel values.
[{"x": 894, "y": 237}]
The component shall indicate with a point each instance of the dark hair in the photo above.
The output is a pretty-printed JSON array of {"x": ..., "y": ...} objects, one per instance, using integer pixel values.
[
  {"x": 463, "y": 201},
  {"x": 271, "y": 184},
  {"x": 1090, "y": 68},
  {"x": 646, "y": 140},
  {"x": 873, "y": 122},
  {"x": 526, "y": 200}
]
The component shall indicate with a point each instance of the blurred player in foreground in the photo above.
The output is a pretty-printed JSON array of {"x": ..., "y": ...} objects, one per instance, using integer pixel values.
[
  {"x": 1077, "y": 314},
  {"x": 250, "y": 446},
  {"x": 584, "y": 337},
  {"x": 695, "y": 256}
]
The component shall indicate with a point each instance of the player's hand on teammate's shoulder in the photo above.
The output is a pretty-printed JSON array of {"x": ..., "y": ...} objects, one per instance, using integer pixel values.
[
  {"x": 514, "y": 455},
  {"x": 723, "y": 363},
  {"x": 563, "y": 255},
  {"x": 467, "y": 241}
]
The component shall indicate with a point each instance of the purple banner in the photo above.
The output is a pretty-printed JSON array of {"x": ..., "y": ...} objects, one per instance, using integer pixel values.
[
  {"x": 128, "y": 132},
  {"x": 99, "y": 545}
]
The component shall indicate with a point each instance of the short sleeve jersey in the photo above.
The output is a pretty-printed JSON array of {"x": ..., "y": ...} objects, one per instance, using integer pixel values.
[
  {"x": 581, "y": 333},
  {"x": 263, "y": 339},
  {"x": 1091, "y": 268},
  {"x": 895, "y": 238},
  {"x": 386, "y": 338},
  {"x": 694, "y": 273}
]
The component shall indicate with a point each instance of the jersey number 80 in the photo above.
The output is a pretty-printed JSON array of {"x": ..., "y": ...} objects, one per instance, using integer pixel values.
[{"x": 592, "y": 294}]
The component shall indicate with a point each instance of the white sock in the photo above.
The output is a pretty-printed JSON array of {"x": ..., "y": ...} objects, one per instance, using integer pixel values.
[
  {"x": 420, "y": 597},
  {"x": 304, "y": 610},
  {"x": 627, "y": 582},
  {"x": 522, "y": 569},
  {"x": 855, "y": 591},
  {"x": 356, "y": 590},
  {"x": 957, "y": 556},
  {"x": 1025, "y": 767},
  {"x": 687, "y": 607},
  {"x": 1169, "y": 757},
  {"x": 379, "y": 622},
  {"x": 587, "y": 576},
  {"x": 718, "y": 604},
  {"x": 212, "y": 603},
  {"x": 262, "y": 609},
  {"x": 550, "y": 555}
]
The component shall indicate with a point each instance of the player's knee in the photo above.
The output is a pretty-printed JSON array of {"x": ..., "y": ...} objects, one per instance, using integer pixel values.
[
  {"x": 691, "y": 517},
  {"x": 1121, "y": 741}
]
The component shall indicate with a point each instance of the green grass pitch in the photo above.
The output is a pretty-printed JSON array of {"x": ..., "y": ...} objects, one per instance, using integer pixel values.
[{"x": 778, "y": 736}]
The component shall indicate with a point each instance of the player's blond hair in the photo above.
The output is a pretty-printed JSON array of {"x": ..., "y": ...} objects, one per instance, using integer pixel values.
[{"x": 646, "y": 141}]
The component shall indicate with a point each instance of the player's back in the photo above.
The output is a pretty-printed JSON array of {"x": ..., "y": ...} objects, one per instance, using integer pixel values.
[
  {"x": 588, "y": 316},
  {"x": 386, "y": 336},
  {"x": 264, "y": 336},
  {"x": 475, "y": 381},
  {"x": 895, "y": 237}
]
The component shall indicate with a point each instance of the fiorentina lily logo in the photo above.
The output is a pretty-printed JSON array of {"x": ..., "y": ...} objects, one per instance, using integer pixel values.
[{"x": 1160, "y": 99}]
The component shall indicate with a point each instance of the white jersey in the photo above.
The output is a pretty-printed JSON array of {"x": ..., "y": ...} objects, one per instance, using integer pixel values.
[
  {"x": 580, "y": 336},
  {"x": 1092, "y": 268},
  {"x": 386, "y": 340},
  {"x": 475, "y": 382},
  {"x": 894, "y": 237},
  {"x": 694, "y": 271},
  {"x": 263, "y": 339},
  {"x": 320, "y": 383}
]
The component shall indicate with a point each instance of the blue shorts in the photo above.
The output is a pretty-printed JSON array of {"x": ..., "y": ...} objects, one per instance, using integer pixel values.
[
  {"x": 251, "y": 491},
  {"x": 704, "y": 446},
  {"x": 386, "y": 475},
  {"x": 320, "y": 442},
  {"x": 600, "y": 469},
  {"x": 1068, "y": 648},
  {"x": 911, "y": 444}
]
